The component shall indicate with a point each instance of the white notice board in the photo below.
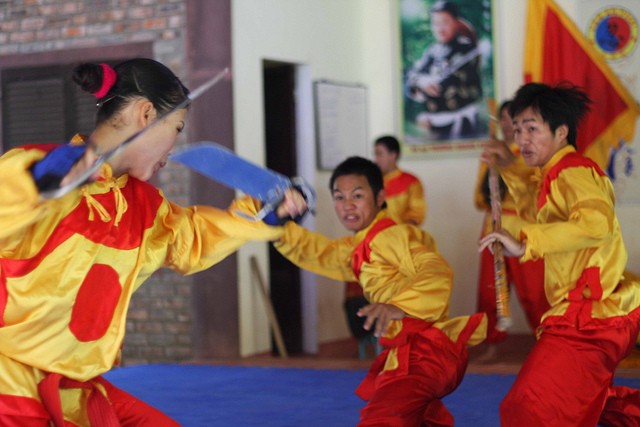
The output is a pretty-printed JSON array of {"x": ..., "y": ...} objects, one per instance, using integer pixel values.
[{"x": 341, "y": 122}]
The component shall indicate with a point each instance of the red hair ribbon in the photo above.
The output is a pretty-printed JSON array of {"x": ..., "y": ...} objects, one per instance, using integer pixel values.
[{"x": 108, "y": 80}]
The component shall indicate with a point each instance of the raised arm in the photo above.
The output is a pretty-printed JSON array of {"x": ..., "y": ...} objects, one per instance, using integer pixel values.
[{"x": 317, "y": 253}]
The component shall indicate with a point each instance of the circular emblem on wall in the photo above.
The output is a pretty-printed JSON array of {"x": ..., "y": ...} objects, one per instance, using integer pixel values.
[{"x": 614, "y": 31}]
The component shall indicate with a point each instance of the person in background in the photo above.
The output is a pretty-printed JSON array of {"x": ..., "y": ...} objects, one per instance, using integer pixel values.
[
  {"x": 528, "y": 277},
  {"x": 447, "y": 77},
  {"x": 404, "y": 191},
  {"x": 594, "y": 315},
  {"x": 408, "y": 285},
  {"x": 70, "y": 265}
]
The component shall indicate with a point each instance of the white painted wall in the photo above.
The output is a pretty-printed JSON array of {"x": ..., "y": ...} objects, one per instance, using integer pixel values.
[
  {"x": 326, "y": 37},
  {"x": 357, "y": 41}
]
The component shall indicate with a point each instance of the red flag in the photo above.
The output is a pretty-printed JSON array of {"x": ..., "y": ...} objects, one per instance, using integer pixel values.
[{"x": 556, "y": 50}]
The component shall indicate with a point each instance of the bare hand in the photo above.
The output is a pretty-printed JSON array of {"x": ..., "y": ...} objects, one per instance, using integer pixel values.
[
  {"x": 293, "y": 204},
  {"x": 381, "y": 314},
  {"x": 497, "y": 153},
  {"x": 511, "y": 246},
  {"x": 429, "y": 85},
  {"x": 433, "y": 90}
]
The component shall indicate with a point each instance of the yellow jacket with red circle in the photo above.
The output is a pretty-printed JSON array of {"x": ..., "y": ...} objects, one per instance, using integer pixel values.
[{"x": 69, "y": 266}]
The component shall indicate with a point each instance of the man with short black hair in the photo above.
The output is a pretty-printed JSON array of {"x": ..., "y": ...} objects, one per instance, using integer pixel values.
[
  {"x": 404, "y": 191},
  {"x": 408, "y": 285}
]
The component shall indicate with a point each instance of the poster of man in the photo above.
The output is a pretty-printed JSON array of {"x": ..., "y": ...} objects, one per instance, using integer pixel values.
[{"x": 447, "y": 69}]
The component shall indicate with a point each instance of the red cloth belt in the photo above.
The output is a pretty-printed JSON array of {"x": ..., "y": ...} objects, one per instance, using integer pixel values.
[
  {"x": 101, "y": 413},
  {"x": 590, "y": 279}
]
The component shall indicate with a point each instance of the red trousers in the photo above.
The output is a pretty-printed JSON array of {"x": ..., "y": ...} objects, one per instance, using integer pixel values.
[
  {"x": 432, "y": 368},
  {"x": 567, "y": 380},
  {"x": 527, "y": 279},
  {"x": 18, "y": 411}
]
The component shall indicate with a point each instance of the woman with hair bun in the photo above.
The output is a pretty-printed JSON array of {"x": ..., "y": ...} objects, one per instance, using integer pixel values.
[{"x": 69, "y": 265}]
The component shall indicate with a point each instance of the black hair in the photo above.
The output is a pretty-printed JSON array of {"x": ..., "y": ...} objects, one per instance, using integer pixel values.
[
  {"x": 562, "y": 104},
  {"x": 445, "y": 6},
  {"x": 390, "y": 142},
  {"x": 139, "y": 77},
  {"x": 359, "y": 166},
  {"x": 505, "y": 105}
]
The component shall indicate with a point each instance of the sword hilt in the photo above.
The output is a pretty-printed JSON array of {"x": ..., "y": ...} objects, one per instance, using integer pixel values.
[
  {"x": 307, "y": 191},
  {"x": 299, "y": 184}
]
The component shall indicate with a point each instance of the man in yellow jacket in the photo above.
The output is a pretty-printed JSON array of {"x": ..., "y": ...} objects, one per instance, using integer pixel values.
[
  {"x": 405, "y": 203},
  {"x": 408, "y": 285},
  {"x": 594, "y": 317}
]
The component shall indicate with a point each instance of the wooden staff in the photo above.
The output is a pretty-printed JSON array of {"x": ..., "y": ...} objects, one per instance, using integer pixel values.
[
  {"x": 499, "y": 269},
  {"x": 271, "y": 314}
]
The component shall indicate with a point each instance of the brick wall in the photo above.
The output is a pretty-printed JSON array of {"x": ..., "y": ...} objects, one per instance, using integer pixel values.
[{"x": 160, "y": 321}]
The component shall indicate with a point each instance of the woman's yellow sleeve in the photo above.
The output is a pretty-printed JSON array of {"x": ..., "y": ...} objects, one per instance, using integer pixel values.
[
  {"x": 20, "y": 203},
  {"x": 192, "y": 239}
]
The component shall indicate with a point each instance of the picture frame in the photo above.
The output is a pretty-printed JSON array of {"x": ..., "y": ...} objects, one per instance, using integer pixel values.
[
  {"x": 447, "y": 74},
  {"x": 341, "y": 122}
]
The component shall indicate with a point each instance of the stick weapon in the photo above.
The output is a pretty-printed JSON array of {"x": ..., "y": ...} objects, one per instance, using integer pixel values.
[
  {"x": 103, "y": 158},
  {"x": 499, "y": 269}
]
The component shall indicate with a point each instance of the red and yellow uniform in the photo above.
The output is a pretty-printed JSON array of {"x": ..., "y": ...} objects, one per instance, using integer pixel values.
[
  {"x": 594, "y": 316},
  {"x": 405, "y": 202},
  {"x": 68, "y": 269},
  {"x": 425, "y": 357},
  {"x": 527, "y": 277},
  {"x": 405, "y": 197}
]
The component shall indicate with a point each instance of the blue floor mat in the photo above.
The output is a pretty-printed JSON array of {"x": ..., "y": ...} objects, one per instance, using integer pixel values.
[{"x": 233, "y": 396}]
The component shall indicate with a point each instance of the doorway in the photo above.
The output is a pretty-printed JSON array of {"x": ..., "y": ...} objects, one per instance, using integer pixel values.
[{"x": 280, "y": 137}]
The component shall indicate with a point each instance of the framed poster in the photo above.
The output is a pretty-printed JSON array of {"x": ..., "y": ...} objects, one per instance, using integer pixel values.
[
  {"x": 341, "y": 122},
  {"x": 447, "y": 74}
]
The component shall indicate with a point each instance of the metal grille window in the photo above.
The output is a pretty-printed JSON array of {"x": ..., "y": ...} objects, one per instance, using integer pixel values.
[{"x": 43, "y": 105}]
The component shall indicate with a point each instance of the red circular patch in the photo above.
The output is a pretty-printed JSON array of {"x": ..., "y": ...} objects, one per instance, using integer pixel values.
[{"x": 95, "y": 303}]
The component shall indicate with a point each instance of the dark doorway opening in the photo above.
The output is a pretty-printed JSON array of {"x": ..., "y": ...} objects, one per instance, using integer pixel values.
[{"x": 280, "y": 137}]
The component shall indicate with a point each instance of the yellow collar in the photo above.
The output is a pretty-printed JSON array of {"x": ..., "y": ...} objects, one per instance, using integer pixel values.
[{"x": 567, "y": 149}]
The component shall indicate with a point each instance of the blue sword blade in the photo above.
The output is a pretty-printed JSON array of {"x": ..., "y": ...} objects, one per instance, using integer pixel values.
[{"x": 223, "y": 165}]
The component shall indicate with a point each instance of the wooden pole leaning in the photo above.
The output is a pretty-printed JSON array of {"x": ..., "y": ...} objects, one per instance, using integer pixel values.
[{"x": 266, "y": 299}]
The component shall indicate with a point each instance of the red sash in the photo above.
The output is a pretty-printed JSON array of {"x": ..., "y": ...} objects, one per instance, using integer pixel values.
[
  {"x": 101, "y": 413},
  {"x": 399, "y": 184},
  {"x": 362, "y": 252},
  {"x": 571, "y": 160}
]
